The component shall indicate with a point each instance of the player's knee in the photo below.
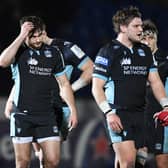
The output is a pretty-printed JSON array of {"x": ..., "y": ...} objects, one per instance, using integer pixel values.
[
  {"x": 53, "y": 161},
  {"x": 22, "y": 163},
  {"x": 128, "y": 163}
]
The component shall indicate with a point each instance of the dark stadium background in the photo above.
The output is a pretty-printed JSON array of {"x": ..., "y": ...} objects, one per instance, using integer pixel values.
[{"x": 88, "y": 24}]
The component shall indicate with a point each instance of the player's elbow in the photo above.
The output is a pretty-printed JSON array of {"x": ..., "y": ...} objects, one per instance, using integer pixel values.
[
  {"x": 90, "y": 68},
  {"x": 88, "y": 74},
  {"x": 3, "y": 63}
]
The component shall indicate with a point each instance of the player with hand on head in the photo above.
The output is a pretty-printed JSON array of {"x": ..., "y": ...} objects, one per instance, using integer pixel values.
[
  {"x": 74, "y": 58},
  {"x": 34, "y": 65}
]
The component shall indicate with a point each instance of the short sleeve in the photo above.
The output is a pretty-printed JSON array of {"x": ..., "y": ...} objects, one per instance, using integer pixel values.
[
  {"x": 74, "y": 55},
  {"x": 102, "y": 64}
]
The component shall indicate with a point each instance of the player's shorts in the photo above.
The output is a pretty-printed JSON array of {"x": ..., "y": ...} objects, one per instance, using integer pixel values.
[
  {"x": 28, "y": 125},
  {"x": 133, "y": 124},
  {"x": 156, "y": 138}
]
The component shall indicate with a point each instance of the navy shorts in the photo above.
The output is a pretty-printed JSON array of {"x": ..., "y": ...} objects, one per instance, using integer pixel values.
[
  {"x": 133, "y": 128},
  {"x": 28, "y": 125},
  {"x": 156, "y": 136}
]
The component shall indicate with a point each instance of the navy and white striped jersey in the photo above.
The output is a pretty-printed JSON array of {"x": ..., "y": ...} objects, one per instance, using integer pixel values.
[{"x": 125, "y": 72}]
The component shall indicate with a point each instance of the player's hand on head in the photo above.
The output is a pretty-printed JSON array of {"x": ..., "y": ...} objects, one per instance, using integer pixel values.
[{"x": 26, "y": 29}]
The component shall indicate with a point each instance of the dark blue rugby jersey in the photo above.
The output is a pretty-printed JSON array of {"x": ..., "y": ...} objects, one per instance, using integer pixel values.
[
  {"x": 125, "y": 72},
  {"x": 161, "y": 61},
  {"x": 33, "y": 71},
  {"x": 74, "y": 57},
  {"x": 161, "y": 58}
]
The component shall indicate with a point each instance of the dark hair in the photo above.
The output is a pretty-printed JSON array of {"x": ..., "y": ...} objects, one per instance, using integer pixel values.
[
  {"x": 124, "y": 17},
  {"x": 148, "y": 25},
  {"x": 37, "y": 22}
]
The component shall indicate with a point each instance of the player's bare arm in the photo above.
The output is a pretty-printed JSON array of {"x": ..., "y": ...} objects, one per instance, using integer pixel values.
[
  {"x": 85, "y": 76},
  {"x": 8, "y": 55},
  {"x": 67, "y": 95},
  {"x": 157, "y": 86},
  {"x": 99, "y": 95}
]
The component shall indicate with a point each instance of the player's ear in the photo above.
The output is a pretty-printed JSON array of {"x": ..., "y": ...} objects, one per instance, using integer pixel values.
[
  {"x": 44, "y": 32},
  {"x": 123, "y": 28}
]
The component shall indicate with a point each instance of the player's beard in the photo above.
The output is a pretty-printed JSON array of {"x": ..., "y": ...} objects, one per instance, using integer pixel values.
[
  {"x": 36, "y": 45},
  {"x": 135, "y": 40}
]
